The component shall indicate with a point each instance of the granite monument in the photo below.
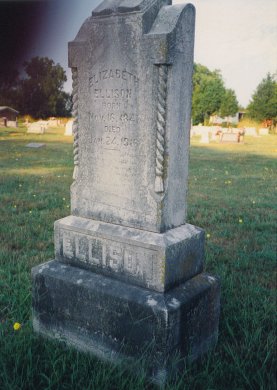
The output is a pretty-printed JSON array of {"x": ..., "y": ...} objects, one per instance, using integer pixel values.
[{"x": 128, "y": 270}]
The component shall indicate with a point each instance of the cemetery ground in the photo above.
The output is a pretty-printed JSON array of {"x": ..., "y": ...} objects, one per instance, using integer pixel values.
[{"x": 231, "y": 196}]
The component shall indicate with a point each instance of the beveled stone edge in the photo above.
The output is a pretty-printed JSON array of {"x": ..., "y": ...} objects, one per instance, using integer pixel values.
[
  {"x": 156, "y": 261},
  {"x": 129, "y": 235}
]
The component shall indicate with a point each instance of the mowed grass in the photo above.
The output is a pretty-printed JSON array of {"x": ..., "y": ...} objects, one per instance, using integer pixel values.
[{"x": 232, "y": 195}]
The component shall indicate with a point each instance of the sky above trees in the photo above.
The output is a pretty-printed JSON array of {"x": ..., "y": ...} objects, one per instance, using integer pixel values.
[{"x": 238, "y": 37}]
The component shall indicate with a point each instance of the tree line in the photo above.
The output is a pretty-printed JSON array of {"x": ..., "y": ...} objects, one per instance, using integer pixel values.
[
  {"x": 211, "y": 97},
  {"x": 40, "y": 93}
]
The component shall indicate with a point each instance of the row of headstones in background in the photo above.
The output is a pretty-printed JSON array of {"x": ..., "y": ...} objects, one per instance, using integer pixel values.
[
  {"x": 214, "y": 133},
  {"x": 38, "y": 127},
  {"x": 41, "y": 126}
]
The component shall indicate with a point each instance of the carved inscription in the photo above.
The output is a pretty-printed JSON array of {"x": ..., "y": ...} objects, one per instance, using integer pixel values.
[
  {"x": 108, "y": 74},
  {"x": 113, "y": 140},
  {"x": 68, "y": 245},
  {"x": 95, "y": 251},
  {"x": 81, "y": 244},
  {"x": 134, "y": 260}
]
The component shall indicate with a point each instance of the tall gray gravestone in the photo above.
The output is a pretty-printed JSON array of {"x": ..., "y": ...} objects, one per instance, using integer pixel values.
[{"x": 128, "y": 270}]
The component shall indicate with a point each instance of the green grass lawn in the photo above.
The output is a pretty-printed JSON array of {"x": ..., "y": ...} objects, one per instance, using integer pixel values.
[{"x": 232, "y": 195}]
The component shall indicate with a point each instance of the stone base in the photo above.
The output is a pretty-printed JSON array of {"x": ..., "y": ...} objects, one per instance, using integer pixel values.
[
  {"x": 118, "y": 322},
  {"x": 158, "y": 261}
]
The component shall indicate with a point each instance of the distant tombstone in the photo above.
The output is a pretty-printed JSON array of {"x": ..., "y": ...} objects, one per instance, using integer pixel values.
[
  {"x": 251, "y": 131},
  {"x": 127, "y": 277},
  {"x": 229, "y": 137},
  {"x": 69, "y": 127},
  {"x": 203, "y": 131},
  {"x": 37, "y": 127},
  {"x": 53, "y": 122},
  {"x": 264, "y": 131},
  {"x": 35, "y": 145},
  {"x": 215, "y": 131},
  {"x": 205, "y": 138}
]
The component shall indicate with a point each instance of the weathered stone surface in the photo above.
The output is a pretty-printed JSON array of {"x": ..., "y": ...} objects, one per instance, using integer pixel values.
[
  {"x": 154, "y": 260},
  {"x": 37, "y": 127},
  {"x": 250, "y": 131},
  {"x": 229, "y": 137},
  {"x": 132, "y": 64},
  {"x": 264, "y": 131},
  {"x": 69, "y": 127},
  {"x": 35, "y": 145},
  {"x": 126, "y": 320}
]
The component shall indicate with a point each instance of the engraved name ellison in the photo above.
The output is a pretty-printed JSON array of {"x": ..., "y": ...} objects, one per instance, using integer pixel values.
[
  {"x": 112, "y": 93},
  {"x": 112, "y": 74}
]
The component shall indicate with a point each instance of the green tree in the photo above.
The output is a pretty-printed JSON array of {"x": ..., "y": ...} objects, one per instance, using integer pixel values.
[
  {"x": 263, "y": 105},
  {"x": 208, "y": 93},
  {"x": 229, "y": 104},
  {"x": 41, "y": 92},
  {"x": 9, "y": 87}
]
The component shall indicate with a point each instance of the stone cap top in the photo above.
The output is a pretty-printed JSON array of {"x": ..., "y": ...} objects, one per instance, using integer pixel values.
[
  {"x": 108, "y": 7},
  {"x": 167, "y": 18}
]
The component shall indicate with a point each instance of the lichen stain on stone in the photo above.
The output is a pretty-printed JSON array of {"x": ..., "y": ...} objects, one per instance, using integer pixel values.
[
  {"x": 151, "y": 301},
  {"x": 163, "y": 49}
]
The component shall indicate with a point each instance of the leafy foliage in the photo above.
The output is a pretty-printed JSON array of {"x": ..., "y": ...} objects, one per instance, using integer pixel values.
[
  {"x": 210, "y": 96},
  {"x": 229, "y": 104},
  {"x": 263, "y": 105},
  {"x": 40, "y": 94},
  {"x": 8, "y": 86}
]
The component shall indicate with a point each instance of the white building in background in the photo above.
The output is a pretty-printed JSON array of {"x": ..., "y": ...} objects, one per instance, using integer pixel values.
[
  {"x": 217, "y": 120},
  {"x": 8, "y": 116}
]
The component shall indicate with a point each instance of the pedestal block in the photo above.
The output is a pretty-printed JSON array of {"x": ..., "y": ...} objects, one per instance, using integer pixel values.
[
  {"x": 157, "y": 261},
  {"x": 118, "y": 322}
]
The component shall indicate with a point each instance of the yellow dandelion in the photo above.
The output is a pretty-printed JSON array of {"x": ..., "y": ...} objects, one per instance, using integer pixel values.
[
  {"x": 16, "y": 326},
  {"x": 240, "y": 220},
  {"x": 30, "y": 212},
  {"x": 63, "y": 198},
  {"x": 20, "y": 185},
  {"x": 208, "y": 235},
  {"x": 14, "y": 206}
]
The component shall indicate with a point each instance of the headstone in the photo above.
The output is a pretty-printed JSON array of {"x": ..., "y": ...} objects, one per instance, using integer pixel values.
[
  {"x": 69, "y": 127},
  {"x": 37, "y": 127},
  {"x": 251, "y": 131},
  {"x": 35, "y": 145},
  {"x": 127, "y": 277},
  {"x": 203, "y": 131},
  {"x": 264, "y": 131},
  {"x": 229, "y": 137},
  {"x": 205, "y": 138},
  {"x": 54, "y": 122}
]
